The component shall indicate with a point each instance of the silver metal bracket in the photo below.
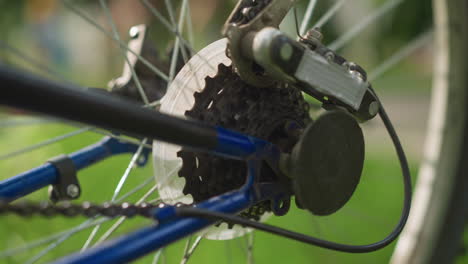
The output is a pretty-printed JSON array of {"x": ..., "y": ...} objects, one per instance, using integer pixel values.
[
  {"x": 248, "y": 17},
  {"x": 320, "y": 73},
  {"x": 140, "y": 43}
]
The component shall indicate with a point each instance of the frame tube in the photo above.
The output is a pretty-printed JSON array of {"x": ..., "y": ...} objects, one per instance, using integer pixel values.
[
  {"x": 169, "y": 229},
  {"x": 67, "y": 101},
  {"x": 37, "y": 178}
]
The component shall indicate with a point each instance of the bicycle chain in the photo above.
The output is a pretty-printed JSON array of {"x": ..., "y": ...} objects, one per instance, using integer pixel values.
[{"x": 87, "y": 209}]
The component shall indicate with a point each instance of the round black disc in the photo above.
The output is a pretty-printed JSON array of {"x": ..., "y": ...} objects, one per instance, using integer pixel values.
[{"x": 327, "y": 163}]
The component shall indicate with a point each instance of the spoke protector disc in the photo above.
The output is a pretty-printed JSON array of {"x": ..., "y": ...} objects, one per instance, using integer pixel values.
[{"x": 179, "y": 99}]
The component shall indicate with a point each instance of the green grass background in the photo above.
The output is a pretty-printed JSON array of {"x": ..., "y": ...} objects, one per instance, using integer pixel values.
[{"x": 370, "y": 215}]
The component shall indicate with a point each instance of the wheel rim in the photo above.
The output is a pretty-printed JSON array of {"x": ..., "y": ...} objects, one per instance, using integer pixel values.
[
  {"x": 338, "y": 3},
  {"x": 440, "y": 169}
]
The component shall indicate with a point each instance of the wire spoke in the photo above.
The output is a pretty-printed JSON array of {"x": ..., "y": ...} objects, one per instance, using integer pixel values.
[
  {"x": 136, "y": 189},
  {"x": 188, "y": 253},
  {"x": 183, "y": 17},
  {"x": 308, "y": 16},
  {"x": 85, "y": 225},
  {"x": 154, "y": 104},
  {"x": 44, "y": 143},
  {"x": 118, "y": 188},
  {"x": 63, "y": 137},
  {"x": 130, "y": 167},
  {"x": 120, "y": 138},
  {"x": 175, "y": 53},
  {"x": 250, "y": 242},
  {"x": 17, "y": 122},
  {"x": 90, "y": 238},
  {"x": 368, "y": 20},
  {"x": 190, "y": 24},
  {"x": 117, "y": 37},
  {"x": 171, "y": 13},
  {"x": 59, "y": 241},
  {"x": 167, "y": 24},
  {"x": 32, "y": 61},
  {"x": 110, "y": 35},
  {"x": 175, "y": 31},
  {"x": 187, "y": 246},
  {"x": 159, "y": 255},
  {"x": 121, "y": 220},
  {"x": 180, "y": 28},
  {"x": 330, "y": 13},
  {"x": 42, "y": 241},
  {"x": 403, "y": 53},
  {"x": 110, "y": 134}
]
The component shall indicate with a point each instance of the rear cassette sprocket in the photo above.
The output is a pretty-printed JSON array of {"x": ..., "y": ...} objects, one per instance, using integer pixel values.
[{"x": 229, "y": 102}]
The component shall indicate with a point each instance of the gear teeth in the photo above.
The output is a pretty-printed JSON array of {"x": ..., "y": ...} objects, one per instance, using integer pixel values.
[{"x": 229, "y": 102}]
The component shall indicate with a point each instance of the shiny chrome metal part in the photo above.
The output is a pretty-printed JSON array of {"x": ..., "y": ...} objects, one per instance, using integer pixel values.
[
  {"x": 314, "y": 69},
  {"x": 331, "y": 79},
  {"x": 248, "y": 18}
]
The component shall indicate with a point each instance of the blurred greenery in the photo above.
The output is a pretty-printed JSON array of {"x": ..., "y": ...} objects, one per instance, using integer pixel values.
[{"x": 369, "y": 216}]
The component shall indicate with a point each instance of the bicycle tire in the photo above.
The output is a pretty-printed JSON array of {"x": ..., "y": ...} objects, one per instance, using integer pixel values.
[{"x": 435, "y": 227}]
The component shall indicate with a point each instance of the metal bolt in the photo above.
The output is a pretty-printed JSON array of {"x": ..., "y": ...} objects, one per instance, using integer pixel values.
[
  {"x": 350, "y": 66},
  {"x": 134, "y": 32},
  {"x": 314, "y": 34},
  {"x": 330, "y": 56},
  {"x": 73, "y": 190},
  {"x": 373, "y": 108},
  {"x": 248, "y": 12},
  {"x": 286, "y": 51},
  {"x": 357, "y": 75},
  {"x": 353, "y": 70}
]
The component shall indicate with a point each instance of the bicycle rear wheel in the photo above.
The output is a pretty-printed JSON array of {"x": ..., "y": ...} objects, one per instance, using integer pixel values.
[{"x": 450, "y": 80}]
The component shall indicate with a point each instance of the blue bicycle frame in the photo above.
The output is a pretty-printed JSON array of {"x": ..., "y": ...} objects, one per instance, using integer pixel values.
[
  {"x": 169, "y": 227},
  {"x": 47, "y": 174}
]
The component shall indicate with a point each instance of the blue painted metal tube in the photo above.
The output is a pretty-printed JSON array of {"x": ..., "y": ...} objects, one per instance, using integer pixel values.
[
  {"x": 229, "y": 144},
  {"x": 170, "y": 228},
  {"x": 37, "y": 178},
  {"x": 149, "y": 239},
  {"x": 27, "y": 182},
  {"x": 236, "y": 145}
]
